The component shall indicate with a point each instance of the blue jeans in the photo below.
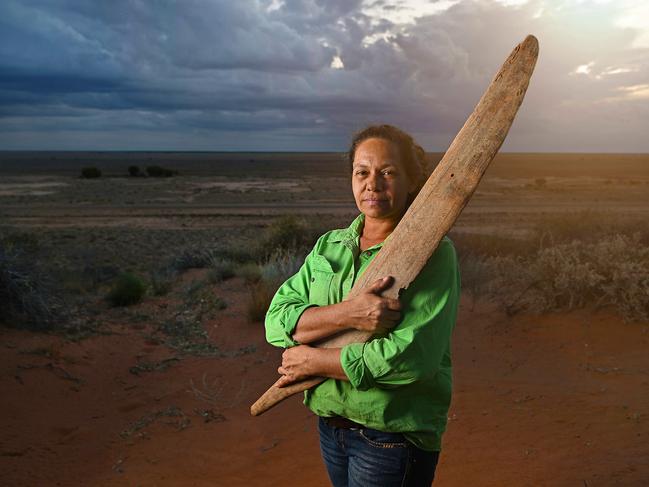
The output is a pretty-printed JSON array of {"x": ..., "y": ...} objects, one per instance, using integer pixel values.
[{"x": 368, "y": 457}]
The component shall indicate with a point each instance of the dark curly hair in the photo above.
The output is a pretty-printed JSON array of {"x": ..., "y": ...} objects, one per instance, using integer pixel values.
[{"x": 412, "y": 154}]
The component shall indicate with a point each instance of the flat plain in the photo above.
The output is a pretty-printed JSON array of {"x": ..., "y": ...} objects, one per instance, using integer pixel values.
[{"x": 558, "y": 398}]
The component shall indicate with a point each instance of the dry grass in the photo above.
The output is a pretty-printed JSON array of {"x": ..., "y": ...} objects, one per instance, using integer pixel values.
[{"x": 568, "y": 261}]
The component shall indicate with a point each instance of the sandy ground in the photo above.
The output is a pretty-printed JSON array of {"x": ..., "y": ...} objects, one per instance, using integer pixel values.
[{"x": 558, "y": 400}]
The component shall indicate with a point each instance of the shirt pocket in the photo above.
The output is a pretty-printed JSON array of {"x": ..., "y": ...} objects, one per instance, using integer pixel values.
[{"x": 322, "y": 275}]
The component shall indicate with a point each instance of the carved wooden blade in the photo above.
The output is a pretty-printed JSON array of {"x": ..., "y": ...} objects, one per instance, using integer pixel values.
[{"x": 447, "y": 191}]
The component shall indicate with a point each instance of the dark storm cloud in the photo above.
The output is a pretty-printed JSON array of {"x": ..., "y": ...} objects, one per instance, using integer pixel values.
[{"x": 258, "y": 74}]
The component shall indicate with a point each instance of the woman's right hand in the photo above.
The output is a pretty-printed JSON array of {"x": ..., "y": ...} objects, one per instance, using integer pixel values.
[{"x": 372, "y": 313}]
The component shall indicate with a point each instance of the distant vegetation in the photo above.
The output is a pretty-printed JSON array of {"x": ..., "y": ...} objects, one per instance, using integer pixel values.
[
  {"x": 134, "y": 171},
  {"x": 160, "y": 172},
  {"x": 90, "y": 172}
]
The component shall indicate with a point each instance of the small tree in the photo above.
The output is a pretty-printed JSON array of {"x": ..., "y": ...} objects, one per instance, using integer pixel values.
[
  {"x": 90, "y": 172},
  {"x": 134, "y": 171}
]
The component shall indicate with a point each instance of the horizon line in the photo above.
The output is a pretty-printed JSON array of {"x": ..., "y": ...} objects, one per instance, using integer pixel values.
[{"x": 153, "y": 151}]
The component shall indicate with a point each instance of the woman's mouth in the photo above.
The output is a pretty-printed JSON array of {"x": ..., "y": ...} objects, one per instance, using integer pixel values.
[{"x": 375, "y": 201}]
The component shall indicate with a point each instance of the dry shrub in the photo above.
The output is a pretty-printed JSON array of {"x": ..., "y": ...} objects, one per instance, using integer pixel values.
[
  {"x": 220, "y": 270},
  {"x": 161, "y": 282},
  {"x": 261, "y": 294},
  {"x": 474, "y": 276},
  {"x": 222, "y": 258},
  {"x": 485, "y": 245},
  {"x": 588, "y": 226},
  {"x": 27, "y": 296},
  {"x": 249, "y": 271},
  {"x": 192, "y": 258},
  {"x": 278, "y": 268},
  {"x": 613, "y": 271}
]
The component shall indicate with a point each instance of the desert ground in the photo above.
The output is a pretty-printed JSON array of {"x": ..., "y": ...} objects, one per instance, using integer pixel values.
[{"x": 157, "y": 393}]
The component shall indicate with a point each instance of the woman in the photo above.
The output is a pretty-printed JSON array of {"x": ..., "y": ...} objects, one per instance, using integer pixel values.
[{"x": 384, "y": 408}]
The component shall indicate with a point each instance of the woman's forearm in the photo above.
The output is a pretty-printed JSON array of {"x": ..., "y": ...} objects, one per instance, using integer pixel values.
[
  {"x": 320, "y": 321},
  {"x": 326, "y": 363}
]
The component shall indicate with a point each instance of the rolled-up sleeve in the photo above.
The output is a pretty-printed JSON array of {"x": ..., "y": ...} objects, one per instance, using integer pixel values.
[
  {"x": 414, "y": 349},
  {"x": 286, "y": 307}
]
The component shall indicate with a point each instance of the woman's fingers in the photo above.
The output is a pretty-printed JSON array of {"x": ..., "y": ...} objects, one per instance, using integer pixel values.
[
  {"x": 283, "y": 381},
  {"x": 392, "y": 316},
  {"x": 394, "y": 304},
  {"x": 380, "y": 285}
]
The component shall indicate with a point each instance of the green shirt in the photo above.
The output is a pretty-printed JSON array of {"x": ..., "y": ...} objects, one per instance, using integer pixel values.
[{"x": 400, "y": 382}]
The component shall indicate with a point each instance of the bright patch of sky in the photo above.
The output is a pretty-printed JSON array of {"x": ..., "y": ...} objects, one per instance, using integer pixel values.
[
  {"x": 337, "y": 63},
  {"x": 405, "y": 11},
  {"x": 636, "y": 91},
  {"x": 636, "y": 16}
]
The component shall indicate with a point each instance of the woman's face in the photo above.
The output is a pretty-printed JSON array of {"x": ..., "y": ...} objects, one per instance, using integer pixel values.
[{"x": 379, "y": 180}]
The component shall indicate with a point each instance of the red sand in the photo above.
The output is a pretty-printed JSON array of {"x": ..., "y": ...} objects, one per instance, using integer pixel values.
[{"x": 558, "y": 400}]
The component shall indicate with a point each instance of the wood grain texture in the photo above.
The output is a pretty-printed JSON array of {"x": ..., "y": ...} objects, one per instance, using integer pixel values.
[{"x": 439, "y": 203}]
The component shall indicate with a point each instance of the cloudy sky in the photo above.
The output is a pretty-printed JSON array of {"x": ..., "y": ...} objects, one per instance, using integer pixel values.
[{"x": 303, "y": 75}]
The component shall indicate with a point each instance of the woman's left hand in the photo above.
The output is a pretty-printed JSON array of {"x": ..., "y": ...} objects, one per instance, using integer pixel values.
[{"x": 297, "y": 364}]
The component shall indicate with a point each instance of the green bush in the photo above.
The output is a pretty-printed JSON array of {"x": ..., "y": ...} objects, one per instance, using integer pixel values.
[
  {"x": 128, "y": 289},
  {"x": 90, "y": 172},
  {"x": 134, "y": 171},
  {"x": 286, "y": 233}
]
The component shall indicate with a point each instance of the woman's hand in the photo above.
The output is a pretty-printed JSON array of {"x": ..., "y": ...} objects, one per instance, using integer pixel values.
[
  {"x": 372, "y": 313},
  {"x": 303, "y": 361},
  {"x": 297, "y": 364}
]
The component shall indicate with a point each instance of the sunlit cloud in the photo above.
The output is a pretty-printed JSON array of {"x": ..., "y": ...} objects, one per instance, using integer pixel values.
[
  {"x": 613, "y": 71},
  {"x": 337, "y": 63},
  {"x": 584, "y": 68},
  {"x": 405, "y": 11},
  {"x": 635, "y": 91}
]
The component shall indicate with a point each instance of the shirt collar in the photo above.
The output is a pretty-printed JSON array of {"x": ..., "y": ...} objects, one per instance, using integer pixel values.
[{"x": 350, "y": 236}]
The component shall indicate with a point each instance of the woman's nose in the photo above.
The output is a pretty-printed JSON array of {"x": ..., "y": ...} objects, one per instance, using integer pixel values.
[{"x": 374, "y": 183}]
